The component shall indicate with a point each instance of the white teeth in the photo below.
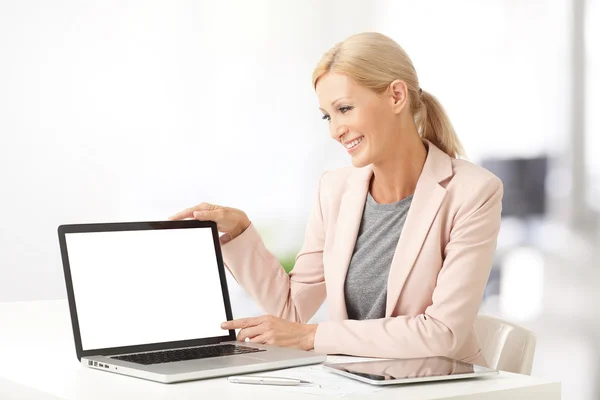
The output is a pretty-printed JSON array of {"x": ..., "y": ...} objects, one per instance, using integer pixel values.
[{"x": 354, "y": 143}]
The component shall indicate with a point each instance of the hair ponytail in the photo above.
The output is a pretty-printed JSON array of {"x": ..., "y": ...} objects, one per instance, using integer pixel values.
[
  {"x": 374, "y": 61},
  {"x": 434, "y": 125}
]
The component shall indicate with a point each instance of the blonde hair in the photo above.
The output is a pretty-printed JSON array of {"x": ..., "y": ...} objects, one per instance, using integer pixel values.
[{"x": 374, "y": 61}]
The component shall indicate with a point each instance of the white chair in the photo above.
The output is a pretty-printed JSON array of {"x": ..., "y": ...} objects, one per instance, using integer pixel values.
[{"x": 506, "y": 346}]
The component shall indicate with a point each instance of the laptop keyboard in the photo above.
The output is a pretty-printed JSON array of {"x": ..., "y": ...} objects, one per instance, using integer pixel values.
[{"x": 190, "y": 353}]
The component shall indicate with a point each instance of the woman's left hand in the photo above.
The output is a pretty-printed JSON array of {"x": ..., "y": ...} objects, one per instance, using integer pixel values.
[{"x": 274, "y": 331}]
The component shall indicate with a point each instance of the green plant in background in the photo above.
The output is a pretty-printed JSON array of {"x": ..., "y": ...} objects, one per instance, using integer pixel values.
[
  {"x": 288, "y": 261},
  {"x": 268, "y": 233}
]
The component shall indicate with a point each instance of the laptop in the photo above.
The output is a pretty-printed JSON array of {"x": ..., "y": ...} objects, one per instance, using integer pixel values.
[{"x": 147, "y": 300}]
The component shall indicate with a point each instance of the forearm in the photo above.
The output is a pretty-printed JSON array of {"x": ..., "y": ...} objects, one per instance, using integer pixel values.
[
  {"x": 259, "y": 272},
  {"x": 394, "y": 337}
]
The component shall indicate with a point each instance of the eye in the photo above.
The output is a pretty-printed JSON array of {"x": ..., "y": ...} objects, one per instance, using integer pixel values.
[
  {"x": 345, "y": 109},
  {"x": 326, "y": 117}
]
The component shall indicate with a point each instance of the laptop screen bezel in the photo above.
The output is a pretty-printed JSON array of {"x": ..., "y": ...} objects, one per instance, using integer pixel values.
[{"x": 139, "y": 226}]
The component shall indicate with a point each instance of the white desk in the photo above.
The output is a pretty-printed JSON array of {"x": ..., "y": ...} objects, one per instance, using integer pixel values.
[{"x": 37, "y": 361}]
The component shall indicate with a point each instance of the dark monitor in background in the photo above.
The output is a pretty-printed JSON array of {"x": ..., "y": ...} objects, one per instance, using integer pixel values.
[{"x": 524, "y": 182}]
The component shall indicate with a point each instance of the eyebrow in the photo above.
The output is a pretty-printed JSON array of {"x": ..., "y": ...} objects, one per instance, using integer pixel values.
[{"x": 335, "y": 101}]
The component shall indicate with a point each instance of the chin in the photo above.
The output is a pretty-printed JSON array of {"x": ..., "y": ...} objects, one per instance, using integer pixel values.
[{"x": 359, "y": 162}]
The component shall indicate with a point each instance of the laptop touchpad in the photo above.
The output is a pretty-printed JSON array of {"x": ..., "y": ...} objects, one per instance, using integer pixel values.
[
  {"x": 240, "y": 360},
  {"x": 257, "y": 358}
]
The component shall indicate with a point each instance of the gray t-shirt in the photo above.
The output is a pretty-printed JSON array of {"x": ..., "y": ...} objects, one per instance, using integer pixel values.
[{"x": 366, "y": 282}]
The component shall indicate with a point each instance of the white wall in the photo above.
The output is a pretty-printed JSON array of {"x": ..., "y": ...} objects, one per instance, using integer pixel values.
[
  {"x": 498, "y": 67},
  {"x": 133, "y": 110},
  {"x": 592, "y": 92}
]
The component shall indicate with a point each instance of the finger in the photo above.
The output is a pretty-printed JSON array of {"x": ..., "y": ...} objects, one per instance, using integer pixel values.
[
  {"x": 188, "y": 212},
  {"x": 250, "y": 332},
  {"x": 204, "y": 215},
  {"x": 260, "y": 339},
  {"x": 241, "y": 323}
]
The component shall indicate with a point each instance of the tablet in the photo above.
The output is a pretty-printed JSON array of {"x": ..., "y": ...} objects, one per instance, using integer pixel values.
[{"x": 412, "y": 370}]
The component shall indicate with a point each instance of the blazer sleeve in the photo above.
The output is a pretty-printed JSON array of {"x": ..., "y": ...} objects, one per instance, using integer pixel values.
[
  {"x": 295, "y": 297},
  {"x": 448, "y": 321}
]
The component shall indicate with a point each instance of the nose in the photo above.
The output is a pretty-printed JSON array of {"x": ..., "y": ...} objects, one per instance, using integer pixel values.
[{"x": 337, "y": 131}]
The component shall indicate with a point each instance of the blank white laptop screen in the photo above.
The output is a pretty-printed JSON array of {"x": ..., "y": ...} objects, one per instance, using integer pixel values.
[{"x": 146, "y": 286}]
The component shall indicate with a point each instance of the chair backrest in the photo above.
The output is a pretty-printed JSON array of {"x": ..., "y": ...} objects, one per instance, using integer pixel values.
[{"x": 506, "y": 346}]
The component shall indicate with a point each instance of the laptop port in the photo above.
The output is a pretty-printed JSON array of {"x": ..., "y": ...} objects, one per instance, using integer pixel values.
[
  {"x": 106, "y": 366},
  {"x": 90, "y": 362},
  {"x": 101, "y": 365},
  {"x": 95, "y": 364}
]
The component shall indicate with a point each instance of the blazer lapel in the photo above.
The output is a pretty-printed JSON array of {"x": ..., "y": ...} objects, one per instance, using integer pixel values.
[
  {"x": 346, "y": 232},
  {"x": 426, "y": 202}
]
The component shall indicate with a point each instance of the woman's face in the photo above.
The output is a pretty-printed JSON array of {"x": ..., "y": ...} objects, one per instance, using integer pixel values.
[{"x": 364, "y": 122}]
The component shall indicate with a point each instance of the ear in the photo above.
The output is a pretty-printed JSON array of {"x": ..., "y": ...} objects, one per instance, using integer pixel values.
[{"x": 399, "y": 95}]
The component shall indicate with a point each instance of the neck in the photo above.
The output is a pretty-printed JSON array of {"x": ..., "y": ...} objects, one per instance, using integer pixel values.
[{"x": 395, "y": 176}]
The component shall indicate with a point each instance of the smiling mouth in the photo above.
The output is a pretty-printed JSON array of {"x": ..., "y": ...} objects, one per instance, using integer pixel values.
[{"x": 354, "y": 143}]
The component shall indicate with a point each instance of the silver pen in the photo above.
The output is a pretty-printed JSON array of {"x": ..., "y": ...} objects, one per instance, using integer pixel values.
[{"x": 268, "y": 380}]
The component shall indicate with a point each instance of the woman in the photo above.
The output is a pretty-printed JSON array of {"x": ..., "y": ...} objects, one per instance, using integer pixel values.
[{"x": 401, "y": 242}]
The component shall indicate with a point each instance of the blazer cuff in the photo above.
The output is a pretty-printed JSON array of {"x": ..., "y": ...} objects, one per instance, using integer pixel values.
[
  {"x": 237, "y": 249},
  {"x": 325, "y": 338}
]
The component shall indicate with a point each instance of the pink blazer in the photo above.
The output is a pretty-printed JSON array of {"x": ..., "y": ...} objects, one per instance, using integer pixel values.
[{"x": 437, "y": 276}]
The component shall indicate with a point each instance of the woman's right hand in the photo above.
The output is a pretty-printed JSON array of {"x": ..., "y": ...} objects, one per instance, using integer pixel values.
[{"x": 229, "y": 220}]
